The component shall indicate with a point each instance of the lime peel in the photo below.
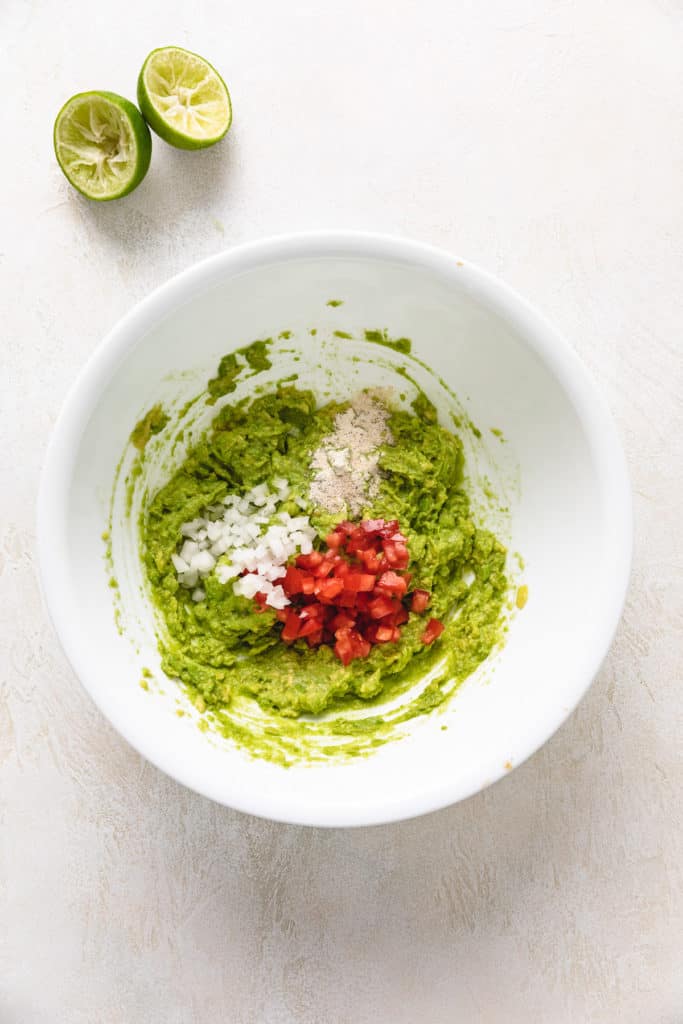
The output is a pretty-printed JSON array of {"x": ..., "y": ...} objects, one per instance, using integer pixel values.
[
  {"x": 102, "y": 144},
  {"x": 183, "y": 98}
]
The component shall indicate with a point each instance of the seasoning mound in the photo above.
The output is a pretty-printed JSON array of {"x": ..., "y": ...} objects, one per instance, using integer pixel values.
[{"x": 345, "y": 465}]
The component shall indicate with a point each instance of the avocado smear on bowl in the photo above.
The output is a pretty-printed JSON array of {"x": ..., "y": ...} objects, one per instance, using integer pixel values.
[{"x": 226, "y": 649}]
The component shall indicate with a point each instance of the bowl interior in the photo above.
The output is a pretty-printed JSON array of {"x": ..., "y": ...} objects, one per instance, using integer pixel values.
[{"x": 559, "y": 467}]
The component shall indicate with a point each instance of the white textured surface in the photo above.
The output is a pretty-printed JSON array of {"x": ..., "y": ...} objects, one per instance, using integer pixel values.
[{"x": 541, "y": 139}]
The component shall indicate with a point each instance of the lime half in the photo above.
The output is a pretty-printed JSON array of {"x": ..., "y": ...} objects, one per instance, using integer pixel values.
[
  {"x": 102, "y": 144},
  {"x": 183, "y": 98}
]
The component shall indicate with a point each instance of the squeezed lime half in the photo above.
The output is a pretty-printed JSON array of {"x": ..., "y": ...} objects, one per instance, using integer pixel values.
[
  {"x": 102, "y": 144},
  {"x": 183, "y": 98}
]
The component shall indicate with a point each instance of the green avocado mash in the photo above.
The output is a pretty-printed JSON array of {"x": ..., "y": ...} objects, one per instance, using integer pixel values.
[
  {"x": 225, "y": 652},
  {"x": 152, "y": 423}
]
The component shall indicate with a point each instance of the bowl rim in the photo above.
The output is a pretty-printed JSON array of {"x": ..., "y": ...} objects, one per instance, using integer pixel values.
[{"x": 553, "y": 350}]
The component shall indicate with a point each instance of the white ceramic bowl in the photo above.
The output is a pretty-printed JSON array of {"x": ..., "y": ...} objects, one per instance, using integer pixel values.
[{"x": 570, "y": 516}]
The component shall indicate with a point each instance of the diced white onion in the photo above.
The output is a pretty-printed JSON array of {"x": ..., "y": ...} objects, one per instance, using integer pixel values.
[{"x": 237, "y": 540}]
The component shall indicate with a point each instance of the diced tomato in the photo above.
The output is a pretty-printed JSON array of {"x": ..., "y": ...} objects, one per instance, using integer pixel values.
[
  {"x": 349, "y": 594},
  {"x": 307, "y": 584},
  {"x": 396, "y": 553},
  {"x": 388, "y": 528},
  {"x": 309, "y": 561},
  {"x": 324, "y": 569},
  {"x": 343, "y": 648},
  {"x": 312, "y": 611},
  {"x": 381, "y": 606},
  {"x": 342, "y": 620},
  {"x": 433, "y": 630},
  {"x": 308, "y": 628},
  {"x": 359, "y": 581},
  {"x": 382, "y": 633},
  {"x": 327, "y": 590},
  {"x": 292, "y": 626},
  {"x": 362, "y": 647},
  {"x": 351, "y": 644},
  {"x": 392, "y": 584},
  {"x": 371, "y": 559},
  {"x": 292, "y": 581},
  {"x": 400, "y": 616},
  {"x": 419, "y": 601},
  {"x": 374, "y": 525}
]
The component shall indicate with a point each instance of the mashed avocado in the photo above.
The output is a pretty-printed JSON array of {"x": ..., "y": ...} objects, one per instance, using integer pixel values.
[
  {"x": 152, "y": 423},
  {"x": 222, "y": 649}
]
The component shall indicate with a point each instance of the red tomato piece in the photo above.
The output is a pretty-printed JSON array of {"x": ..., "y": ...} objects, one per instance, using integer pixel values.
[
  {"x": 312, "y": 611},
  {"x": 342, "y": 620},
  {"x": 309, "y": 561},
  {"x": 315, "y": 639},
  {"x": 359, "y": 581},
  {"x": 324, "y": 569},
  {"x": 371, "y": 559},
  {"x": 433, "y": 630},
  {"x": 327, "y": 590},
  {"x": 400, "y": 616},
  {"x": 307, "y": 584},
  {"x": 346, "y": 599},
  {"x": 308, "y": 628},
  {"x": 388, "y": 528},
  {"x": 362, "y": 647},
  {"x": 396, "y": 553},
  {"x": 292, "y": 626},
  {"x": 292, "y": 580},
  {"x": 392, "y": 583},
  {"x": 382, "y": 606},
  {"x": 343, "y": 648},
  {"x": 419, "y": 601},
  {"x": 383, "y": 634},
  {"x": 334, "y": 540},
  {"x": 373, "y": 525}
]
